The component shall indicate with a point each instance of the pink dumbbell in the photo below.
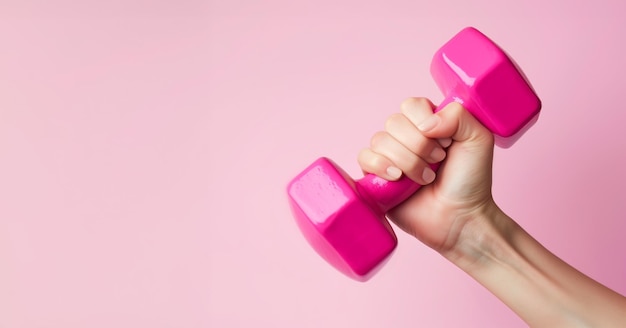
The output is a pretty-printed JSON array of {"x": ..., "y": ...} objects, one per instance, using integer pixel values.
[{"x": 344, "y": 220}]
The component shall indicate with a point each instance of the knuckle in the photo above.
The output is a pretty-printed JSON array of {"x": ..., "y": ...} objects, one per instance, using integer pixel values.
[
  {"x": 378, "y": 163},
  {"x": 393, "y": 120},
  {"x": 411, "y": 104},
  {"x": 371, "y": 161},
  {"x": 377, "y": 139},
  {"x": 455, "y": 107},
  {"x": 407, "y": 103},
  {"x": 363, "y": 156}
]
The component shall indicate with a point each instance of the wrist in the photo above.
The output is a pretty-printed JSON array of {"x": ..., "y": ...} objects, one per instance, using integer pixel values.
[{"x": 484, "y": 238}]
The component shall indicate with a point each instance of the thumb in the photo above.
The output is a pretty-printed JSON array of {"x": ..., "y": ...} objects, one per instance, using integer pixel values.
[
  {"x": 455, "y": 122},
  {"x": 466, "y": 172}
]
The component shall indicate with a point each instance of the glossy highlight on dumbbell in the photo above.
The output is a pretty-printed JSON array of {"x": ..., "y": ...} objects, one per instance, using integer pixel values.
[{"x": 344, "y": 220}]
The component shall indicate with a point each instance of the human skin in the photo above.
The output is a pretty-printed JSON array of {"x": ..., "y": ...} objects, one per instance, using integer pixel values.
[{"x": 455, "y": 214}]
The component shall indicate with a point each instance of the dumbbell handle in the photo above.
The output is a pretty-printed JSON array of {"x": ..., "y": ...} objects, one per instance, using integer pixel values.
[{"x": 389, "y": 194}]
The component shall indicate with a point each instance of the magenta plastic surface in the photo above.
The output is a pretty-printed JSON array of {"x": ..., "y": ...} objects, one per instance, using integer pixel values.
[
  {"x": 344, "y": 220},
  {"x": 474, "y": 71}
]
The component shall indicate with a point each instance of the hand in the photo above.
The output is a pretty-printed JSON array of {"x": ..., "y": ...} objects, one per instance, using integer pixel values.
[
  {"x": 458, "y": 193},
  {"x": 454, "y": 213}
]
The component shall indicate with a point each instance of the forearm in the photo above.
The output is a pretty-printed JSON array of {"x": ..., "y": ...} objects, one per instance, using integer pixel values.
[{"x": 542, "y": 289}]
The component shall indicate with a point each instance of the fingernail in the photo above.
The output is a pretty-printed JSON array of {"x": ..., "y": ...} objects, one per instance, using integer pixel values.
[
  {"x": 394, "y": 172},
  {"x": 445, "y": 142},
  {"x": 437, "y": 154},
  {"x": 429, "y": 123},
  {"x": 428, "y": 175}
]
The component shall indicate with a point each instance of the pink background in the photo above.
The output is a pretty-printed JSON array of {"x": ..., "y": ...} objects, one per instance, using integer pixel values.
[{"x": 145, "y": 147}]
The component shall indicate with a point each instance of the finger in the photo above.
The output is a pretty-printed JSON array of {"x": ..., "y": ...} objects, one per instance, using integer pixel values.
[
  {"x": 445, "y": 142},
  {"x": 401, "y": 129},
  {"x": 419, "y": 109},
  {"x": 378, "y": 164},
  {"x": 416, "y": 168},
  {"x": 469, "y": 158},
  {"x": 453, "y": 121}
]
